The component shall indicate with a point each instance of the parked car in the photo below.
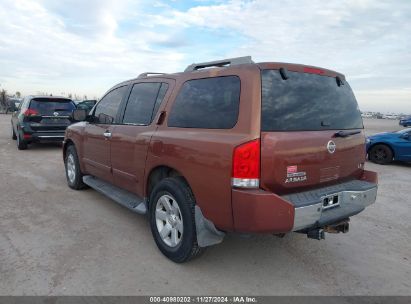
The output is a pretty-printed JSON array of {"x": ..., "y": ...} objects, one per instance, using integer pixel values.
[
  {"x": 405, "y": 122},
  {"x": 383, "y": 148},
  {"x": 226, "y": 146},
  {"x": 41, "y": 118},
  {"x": 86, "y": 105},
  {"x": 13, "y": 104},
  {"x": 390, "y": 116}
]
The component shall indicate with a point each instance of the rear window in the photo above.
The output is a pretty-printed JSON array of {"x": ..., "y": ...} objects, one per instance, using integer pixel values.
[
  {"x": 47, "y": 106},
  {"x": 307, "y": 102},
  {"x": 208, "y": 103}
]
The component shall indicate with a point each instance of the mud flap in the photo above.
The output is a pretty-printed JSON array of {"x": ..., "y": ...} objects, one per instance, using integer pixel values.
[{"x": 207, "y": 233}]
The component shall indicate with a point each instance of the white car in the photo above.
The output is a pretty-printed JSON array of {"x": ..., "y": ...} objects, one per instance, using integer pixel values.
[{"x": 390, "y": 116}]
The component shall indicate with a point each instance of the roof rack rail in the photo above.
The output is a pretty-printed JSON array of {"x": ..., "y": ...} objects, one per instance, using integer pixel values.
[
  {"x": 219, "y": 63},
  {"x": 146, "y": 74}
]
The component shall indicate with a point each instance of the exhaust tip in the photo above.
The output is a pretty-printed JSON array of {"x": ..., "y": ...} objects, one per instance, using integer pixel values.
[{"x": 343, "y": 227}]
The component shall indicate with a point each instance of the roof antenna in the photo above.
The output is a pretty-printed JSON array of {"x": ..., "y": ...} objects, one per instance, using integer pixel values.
[{"x": 283, "y": 73}]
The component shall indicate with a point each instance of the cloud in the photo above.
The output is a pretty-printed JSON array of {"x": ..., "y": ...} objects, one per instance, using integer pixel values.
[
  {"x": 358, "y": 38},
  {"x": 89, "y": 45},
  {"x": 41, "y": 50}
]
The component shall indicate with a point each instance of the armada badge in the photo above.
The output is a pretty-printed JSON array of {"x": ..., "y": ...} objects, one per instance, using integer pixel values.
[{"x": 293, "y": 176}]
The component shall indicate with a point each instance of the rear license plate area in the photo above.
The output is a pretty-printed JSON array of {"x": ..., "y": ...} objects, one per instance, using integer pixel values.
[{"x": 330, "y": 201}]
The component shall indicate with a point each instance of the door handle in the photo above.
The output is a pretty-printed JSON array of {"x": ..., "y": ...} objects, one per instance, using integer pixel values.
[{"x": 107, "y": 134}]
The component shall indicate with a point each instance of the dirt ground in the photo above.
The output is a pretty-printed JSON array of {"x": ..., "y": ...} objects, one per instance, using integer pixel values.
[{"x": 56, "y": 241}]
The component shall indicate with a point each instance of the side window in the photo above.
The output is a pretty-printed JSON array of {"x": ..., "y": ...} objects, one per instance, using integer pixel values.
[
  {"x": 159, "y": 100},
  {"x": 210, "y": 103},
  {"x": 106, "y": 109},
  {"x": 143, "y": 103}
]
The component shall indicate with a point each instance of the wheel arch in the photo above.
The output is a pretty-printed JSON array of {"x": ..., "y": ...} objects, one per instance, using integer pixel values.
[
  {"x": 70, "y": 142},
  {"x": 66, "y": 144},
  {"x": 384, "y": 144},
  {"x": 207, "y": 233},
  {"x": 159, "y": 173}
]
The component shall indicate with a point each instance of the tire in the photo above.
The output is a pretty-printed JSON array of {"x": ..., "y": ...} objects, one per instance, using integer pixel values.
[
  {"x": 380, "y": 154},
  {"x": 21, "y": 144},
  {"x": 179, "y": 242},
  {"x": 13, "y": 134},
  {"x": 72, "y": 167}
]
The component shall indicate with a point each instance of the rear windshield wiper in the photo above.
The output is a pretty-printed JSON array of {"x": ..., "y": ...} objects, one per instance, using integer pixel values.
[{"x": 346, "y": 133}]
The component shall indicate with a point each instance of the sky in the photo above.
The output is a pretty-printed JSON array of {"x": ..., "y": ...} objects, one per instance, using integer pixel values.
[{"x": 85, "y": 47}]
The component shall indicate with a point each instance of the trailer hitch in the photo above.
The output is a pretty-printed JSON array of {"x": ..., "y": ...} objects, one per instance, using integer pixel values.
[{"x": 319, "y": 233}]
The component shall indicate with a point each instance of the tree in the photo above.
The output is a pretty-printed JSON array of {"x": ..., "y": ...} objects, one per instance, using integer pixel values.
[
  {"x": 3, "y": 100},
  {"x": 18, "y": 94}
]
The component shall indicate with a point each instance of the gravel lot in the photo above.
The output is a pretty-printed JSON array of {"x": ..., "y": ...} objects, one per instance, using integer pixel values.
[{"x": 56, "y": 241}]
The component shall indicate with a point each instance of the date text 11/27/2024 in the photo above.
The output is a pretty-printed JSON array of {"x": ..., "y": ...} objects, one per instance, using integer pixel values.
[{"x": 203, "y": 299}]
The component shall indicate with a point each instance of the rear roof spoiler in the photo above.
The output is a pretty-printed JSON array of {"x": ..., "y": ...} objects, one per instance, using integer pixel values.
[
  {"x": 146, "y": 74},
  {"x": 219, "y": 63}
]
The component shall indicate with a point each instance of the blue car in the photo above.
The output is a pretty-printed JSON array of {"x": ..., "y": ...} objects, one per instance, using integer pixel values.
[
  {"x": 383, "y": 148},
  {"x": 405, "y": 122}
]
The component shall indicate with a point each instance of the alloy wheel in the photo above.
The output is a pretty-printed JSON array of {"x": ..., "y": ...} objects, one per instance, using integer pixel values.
[
  {"x": 169, "y": 220},
  {"x": 380, "y": 154},
  {"x": 71, "y": 168}
]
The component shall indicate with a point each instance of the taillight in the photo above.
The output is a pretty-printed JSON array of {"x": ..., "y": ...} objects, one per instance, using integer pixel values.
[
  {"x": 313, "y": 71},
  {"x": 30, "y": 112},
  {"x": 246, "y": 165}
]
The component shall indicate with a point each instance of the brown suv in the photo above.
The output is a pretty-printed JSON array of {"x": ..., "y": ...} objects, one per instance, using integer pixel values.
[{"x": 226, "y": 146}]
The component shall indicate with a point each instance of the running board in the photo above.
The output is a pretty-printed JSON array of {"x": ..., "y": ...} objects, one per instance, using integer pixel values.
[{"x": 121, "y": 196}]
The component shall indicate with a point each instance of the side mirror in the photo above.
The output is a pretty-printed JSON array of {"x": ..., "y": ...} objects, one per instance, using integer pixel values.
[
  {"x": 79, "y": 115},
  {"x": 105, "y": 119},
  {"x": 405, "y": 136}
]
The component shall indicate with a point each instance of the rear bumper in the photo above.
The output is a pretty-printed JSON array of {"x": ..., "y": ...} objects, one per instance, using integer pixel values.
[
  {"x": 45, "y": 136},
  {"x": 259, "y": 211},
  {"x": 349, "y": 204}
]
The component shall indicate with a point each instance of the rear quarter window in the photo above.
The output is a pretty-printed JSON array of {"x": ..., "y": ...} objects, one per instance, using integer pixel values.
[
  {"x": 209, "y": 103},
  {"x": 307, "y": 102}
]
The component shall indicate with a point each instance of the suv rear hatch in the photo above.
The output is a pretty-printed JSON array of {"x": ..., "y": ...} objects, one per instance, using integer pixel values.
[
  {"x": 50, "y": 114},
  {"x": 311, "y": 131}
]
